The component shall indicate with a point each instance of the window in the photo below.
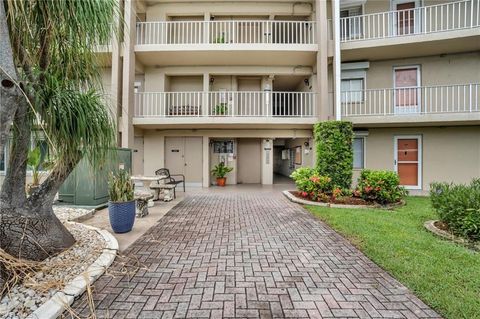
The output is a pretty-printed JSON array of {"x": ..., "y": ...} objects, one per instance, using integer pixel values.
[
  {"x": 359, "y": 153},
  {"x": 44, "y": 151},
  {"x": 3, "y": 160},
  {"x": 352, "y": 90}
]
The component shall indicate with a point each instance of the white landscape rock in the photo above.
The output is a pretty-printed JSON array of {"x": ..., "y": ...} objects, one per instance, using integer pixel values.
[{"x": 95, "y": 249}]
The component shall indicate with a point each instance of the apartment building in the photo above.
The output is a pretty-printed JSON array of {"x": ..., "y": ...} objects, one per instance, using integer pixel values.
[{"x": 194, "y": 83}]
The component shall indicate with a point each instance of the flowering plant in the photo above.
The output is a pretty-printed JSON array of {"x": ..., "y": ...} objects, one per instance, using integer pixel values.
[{"x": 382, "y": 187}]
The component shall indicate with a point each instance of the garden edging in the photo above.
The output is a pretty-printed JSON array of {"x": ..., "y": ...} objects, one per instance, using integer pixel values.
[
  {"x": 297, "y": 200},
  {"x": 57, "y": 304},
  {"x": 430, "y": 226}
]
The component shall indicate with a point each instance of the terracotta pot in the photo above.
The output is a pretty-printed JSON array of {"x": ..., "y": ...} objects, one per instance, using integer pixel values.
[{"x": 221, "y": 181}]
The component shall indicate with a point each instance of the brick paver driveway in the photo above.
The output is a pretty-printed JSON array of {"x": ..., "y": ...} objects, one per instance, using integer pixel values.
[{"x": 251, "y": 255}]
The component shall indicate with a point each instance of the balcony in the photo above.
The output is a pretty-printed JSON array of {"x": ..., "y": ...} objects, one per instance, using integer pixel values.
[
  {"x": 444, "y": 28},
  {"x": 274, "y": 42},
  {"x": 220, "y": 108},
  {"x": 453, "y": 104}
]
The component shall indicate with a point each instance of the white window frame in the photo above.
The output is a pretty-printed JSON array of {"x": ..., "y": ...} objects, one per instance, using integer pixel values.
[
  {"x": 419, "y": 84},
  {"x": 364, "y": 151},
  {"x": 354, "y": 74},
  {"x": 420, "y": 158}
]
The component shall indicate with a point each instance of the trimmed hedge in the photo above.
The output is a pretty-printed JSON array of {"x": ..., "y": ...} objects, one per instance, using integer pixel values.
[
  {"x": 458, "y": 206},
  {"x": 382, "y": 187},
  {"x": 334, "y": 152}
]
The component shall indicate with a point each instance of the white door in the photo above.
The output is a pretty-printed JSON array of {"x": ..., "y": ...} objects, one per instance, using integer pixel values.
[
  {"x": 407, "y": 94},
  {"x": 183, "y": 155}
]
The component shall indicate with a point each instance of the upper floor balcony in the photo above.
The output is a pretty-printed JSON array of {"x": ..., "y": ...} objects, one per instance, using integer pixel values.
[
  {"x": 449, "y": 27},
  {"x": 225, "y": 107},
  {"x": 424, "y": 105},
  {"x": 213, "y": 42}
]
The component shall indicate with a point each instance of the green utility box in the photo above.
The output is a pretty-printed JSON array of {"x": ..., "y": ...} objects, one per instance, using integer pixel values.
[{"x": 88, "y": 185}]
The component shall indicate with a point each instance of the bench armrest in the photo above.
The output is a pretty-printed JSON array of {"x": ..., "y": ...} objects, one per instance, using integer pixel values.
[{"x": 180, "y": 175}]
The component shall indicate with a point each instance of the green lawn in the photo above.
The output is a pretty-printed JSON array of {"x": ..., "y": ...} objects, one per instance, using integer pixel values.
[{"x": 444, "y": 275}]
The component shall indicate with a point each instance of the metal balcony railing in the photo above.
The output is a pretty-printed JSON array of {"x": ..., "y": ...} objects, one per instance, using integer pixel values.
[
  {"x": 422, "y": 20},
  {"x": 225, "y": 104},
  {"x": 464, "y": 98},
  {"x": 226, "y": 32}
]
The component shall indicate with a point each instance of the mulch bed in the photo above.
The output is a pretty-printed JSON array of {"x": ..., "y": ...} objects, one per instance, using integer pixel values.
[
  {"x": 354, "y": 201},
  {"x": 341, "y": 200}
]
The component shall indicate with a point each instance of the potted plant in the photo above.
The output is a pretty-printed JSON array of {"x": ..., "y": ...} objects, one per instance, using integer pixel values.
[
  {"x": 220, "y": 171},
  {"x": 220, "y": 38},
  {"x": 121, "y": 207},
  {"x": 220, "y": 109}
]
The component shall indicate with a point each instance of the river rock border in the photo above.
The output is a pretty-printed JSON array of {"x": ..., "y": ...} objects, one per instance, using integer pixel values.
[
  {"x": 56, "y": 305},
  {"x": 430, "y": 226},
  {"x": 297, "y": 200}
]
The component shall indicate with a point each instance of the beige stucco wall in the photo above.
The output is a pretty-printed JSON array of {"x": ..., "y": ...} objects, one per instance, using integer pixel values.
[
  {"x": 375, "y": 6},
  {"x": 161, "y": 11},
  {"x": 435, "y": 70},
  {"x": 450, "y": 154}
]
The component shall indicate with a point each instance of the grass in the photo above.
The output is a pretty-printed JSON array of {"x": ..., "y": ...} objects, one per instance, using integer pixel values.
[{"x": 444, "y": 275}]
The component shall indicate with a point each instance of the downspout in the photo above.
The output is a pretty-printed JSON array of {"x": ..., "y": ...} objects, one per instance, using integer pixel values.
[{"x": 337, "y": 59}]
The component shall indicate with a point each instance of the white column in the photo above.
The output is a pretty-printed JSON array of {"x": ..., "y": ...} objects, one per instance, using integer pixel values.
[
  {"x": 337, "y": 59},
  {"x": 116, "y": 81},
  {"x": 128, "y": 74},
  {"x": 321, "y": 83},
  {"x": 267, "y": 162},
  {"x": 206, "y": 89},
  {"x": 206, "y": 162}
]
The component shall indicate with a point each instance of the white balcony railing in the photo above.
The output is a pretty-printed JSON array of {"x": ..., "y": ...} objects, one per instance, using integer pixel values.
[
  {"x": 226, "y": 32},
  {"x": 422, "y": 20},
  {"x": 463, "y": 98},
  {"x": 233, "y": 104}
]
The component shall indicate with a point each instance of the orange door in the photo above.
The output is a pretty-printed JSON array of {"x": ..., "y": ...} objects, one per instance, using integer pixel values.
[
  {"x": 408, "y": 161},
  {"x": 406, "y": 18}
]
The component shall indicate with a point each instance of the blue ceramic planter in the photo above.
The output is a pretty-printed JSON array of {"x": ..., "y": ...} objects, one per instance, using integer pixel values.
[{"x": 122, "y": 216}]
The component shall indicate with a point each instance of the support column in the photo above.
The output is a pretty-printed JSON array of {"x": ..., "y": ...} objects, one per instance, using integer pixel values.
[
  {"x": 206, "y": 89},
  {"x": 322, "y": 106},
  {"x": 128, "y": 74},
  {"x": 116, "y": 81},
  {"x": 267, "y": 162},
  {"x": 206, "y": 29},
  {"x": 337, "y": 60},
  {"x": 206, "y": 161}
]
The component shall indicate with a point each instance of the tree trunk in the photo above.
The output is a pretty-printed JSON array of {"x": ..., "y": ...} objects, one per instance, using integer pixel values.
[{"x": 33, "y": 233}]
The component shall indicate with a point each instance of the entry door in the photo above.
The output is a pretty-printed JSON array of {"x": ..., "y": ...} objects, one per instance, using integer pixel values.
[
  {"x": 405, "y": 18},
  {"x": 249, "y": 163},
  {"x": 183, "y": 155},
  {"x": 407, "y": 90},
  {"x": 408, "y": 161}
]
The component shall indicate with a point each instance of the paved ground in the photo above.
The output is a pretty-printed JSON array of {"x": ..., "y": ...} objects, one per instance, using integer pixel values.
[{"x": 249, "y": 254}]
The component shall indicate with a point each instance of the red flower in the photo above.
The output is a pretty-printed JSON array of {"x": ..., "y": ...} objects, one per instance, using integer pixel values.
[
  {"x": 368, "y": 189},
  {"x": 315, "y": 179},
  {"x": 304, "y": 194}
]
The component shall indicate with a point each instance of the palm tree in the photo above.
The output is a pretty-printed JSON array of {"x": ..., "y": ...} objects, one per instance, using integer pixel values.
[{"x": 49, "y": 80}]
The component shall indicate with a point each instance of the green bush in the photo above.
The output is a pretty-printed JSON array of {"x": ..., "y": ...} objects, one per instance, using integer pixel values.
[
  {"x": 334, "y": 151},
  {"x": 382, "y": 187},
  {"x": 459, "y": 207},
  {"x": 312, "y": 185}
]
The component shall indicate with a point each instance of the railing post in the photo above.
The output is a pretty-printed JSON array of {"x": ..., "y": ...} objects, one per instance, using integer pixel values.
[
  {"x": 471, "y": 96},
  {"x": 384, "y": 101}
]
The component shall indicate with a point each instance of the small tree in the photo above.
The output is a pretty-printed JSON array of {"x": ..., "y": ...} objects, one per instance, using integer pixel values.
[
  {"x": 333, "y": 140},
  {"x": 49, "y": 80}
]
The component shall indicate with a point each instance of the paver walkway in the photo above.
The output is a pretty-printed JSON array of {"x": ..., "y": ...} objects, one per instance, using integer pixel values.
[{"x": 250, "y": 255}]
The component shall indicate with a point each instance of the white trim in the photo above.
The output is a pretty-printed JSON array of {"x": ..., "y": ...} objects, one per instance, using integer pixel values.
[
  {"x": 419, "y": 84},
  {"x": 337, "y": 60},
  {"x": 345, "y": 4},
  {"x": 420, "y": 158}
]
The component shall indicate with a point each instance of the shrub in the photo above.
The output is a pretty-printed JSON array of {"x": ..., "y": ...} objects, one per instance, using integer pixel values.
[
  {"x": 334, "y": 151},
  {"x": 312, "y": 185},
  {"x": 382, "y": 187},
  {"x": 459, "y": 207}
]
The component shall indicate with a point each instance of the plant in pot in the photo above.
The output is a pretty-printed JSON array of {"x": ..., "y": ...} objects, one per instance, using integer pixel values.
[
  {"x": 220, "y": 171},
  {"x": 220, "y": 109},
  {"x": 121, "y": 207}
]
